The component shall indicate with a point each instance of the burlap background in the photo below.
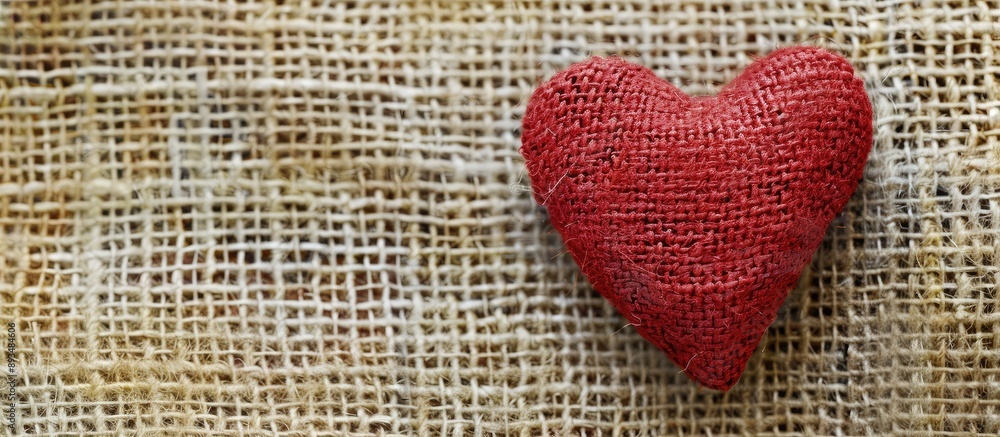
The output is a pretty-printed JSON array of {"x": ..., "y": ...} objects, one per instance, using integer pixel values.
[{"x": 310, "y": 218}]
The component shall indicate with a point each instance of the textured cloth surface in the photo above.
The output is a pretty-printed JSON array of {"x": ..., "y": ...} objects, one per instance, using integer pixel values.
[
  {"x": 310, "y": 218},
  {"x": 695, "y": 216}
]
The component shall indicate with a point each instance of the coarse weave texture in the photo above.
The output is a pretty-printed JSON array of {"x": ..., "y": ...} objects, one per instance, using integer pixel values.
[
  {"x": 309, "y": 218},
  {"x": 695, "y": 216}
]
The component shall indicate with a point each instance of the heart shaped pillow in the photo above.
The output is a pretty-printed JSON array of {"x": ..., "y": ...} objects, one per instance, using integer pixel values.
[{"x": 695, "y": 216}]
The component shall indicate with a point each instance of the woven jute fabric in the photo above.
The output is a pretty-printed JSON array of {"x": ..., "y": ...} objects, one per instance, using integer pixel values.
[{"x": 311, "y": 218}]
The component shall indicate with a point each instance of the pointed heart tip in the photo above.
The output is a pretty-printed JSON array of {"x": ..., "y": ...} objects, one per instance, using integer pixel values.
[{"x": 717, "y": 369}]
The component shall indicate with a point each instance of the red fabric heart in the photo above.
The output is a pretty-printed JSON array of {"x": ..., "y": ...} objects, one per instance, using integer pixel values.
[{"x": 695, "y": 216}]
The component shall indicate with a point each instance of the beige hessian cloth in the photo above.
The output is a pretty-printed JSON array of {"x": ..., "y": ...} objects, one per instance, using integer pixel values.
[{"x": 310, "y": 218}]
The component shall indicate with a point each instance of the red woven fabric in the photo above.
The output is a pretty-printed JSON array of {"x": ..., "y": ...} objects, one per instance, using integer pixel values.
[{"x": 696, "y": 216}]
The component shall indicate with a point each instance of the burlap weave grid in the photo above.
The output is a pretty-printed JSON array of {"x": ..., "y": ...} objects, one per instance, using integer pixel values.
[{"x": 310, "y": 218}]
